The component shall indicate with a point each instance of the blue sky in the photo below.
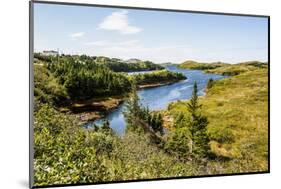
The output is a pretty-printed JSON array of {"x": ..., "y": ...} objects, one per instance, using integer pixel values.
[{"x": 149, "y": 35}]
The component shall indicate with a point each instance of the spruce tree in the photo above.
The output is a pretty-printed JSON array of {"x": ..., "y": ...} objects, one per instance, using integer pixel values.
[
  {"x": 156, "y": 123},
  {"x": 160, "y": 123},
  {"x": 197, "y": 127},
  {"x": 132, "y": 109},
  {"x": 210, "y": 83},
  {"x": 153, "y": 122},
  {"x": 106, "y": 126},
  {"x": 193, "y": 106}
]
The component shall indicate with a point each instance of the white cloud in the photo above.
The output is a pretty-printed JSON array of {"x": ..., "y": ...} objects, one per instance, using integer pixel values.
[
  {"x": 135, "y": 49},
  {"x": 113, "y": 44},
  {"x": 76, "y": 35},
  {"x": 119, "y": 21},
  {"x": 97, "y": 43}
]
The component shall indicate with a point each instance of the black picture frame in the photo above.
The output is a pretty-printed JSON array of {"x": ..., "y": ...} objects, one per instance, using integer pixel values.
[{"x": 31, "y": 87}]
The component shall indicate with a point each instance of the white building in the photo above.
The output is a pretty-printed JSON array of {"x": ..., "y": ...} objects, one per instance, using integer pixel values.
[{"x": 50, "y": 53}]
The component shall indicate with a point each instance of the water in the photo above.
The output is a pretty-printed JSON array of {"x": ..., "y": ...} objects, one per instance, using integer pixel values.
[
  {"x": 140, "y": 72},
  {"x": 159, "y": 97}
]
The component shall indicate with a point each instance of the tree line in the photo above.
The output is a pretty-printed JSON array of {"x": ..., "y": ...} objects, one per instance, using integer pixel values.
[
  {"x": 88, "y": 79},
  {"x": 157, "y": 77},
  {"x": 82, "y": 77},
  {"x": 114, "y": 64}
]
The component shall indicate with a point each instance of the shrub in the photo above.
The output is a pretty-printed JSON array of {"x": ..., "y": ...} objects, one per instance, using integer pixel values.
[{"x": 222, "y": 134}]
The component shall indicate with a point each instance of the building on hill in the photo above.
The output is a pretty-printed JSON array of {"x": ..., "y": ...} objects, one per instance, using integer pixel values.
[{"x": 50, "y": 53}]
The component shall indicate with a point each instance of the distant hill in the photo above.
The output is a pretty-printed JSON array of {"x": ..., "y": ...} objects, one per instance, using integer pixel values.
[
  {"x": 132, "y": 60},
  {"x": 223, "y": 68},
  {"x": 254, "y": 63},
  {"x": 190, "y": 64},
  {"x": 167, "y": 64}
]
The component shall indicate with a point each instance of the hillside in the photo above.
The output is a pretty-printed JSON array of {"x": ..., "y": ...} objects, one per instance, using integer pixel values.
[
  {"x": 223, "y": 68},
  {"x": 235, "y": 69},
  {"x": 114, "y": 64},
  {"x": 237, "y": 111},
  {"x": 190, "y": 64}
]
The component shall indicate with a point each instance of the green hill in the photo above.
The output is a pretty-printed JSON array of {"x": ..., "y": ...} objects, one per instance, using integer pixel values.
[
  {"x": 223, "y": 68},
  {"x": 237, "y": 110},
  {"x": 190, "y": 64}
]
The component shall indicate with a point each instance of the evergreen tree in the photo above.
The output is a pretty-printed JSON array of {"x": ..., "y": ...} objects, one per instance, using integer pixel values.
[
  {"x": 132, "y": 109},
  {"x": 160, "y": 123},
  {"x": 198, "y": 127},
  {"x": 147, "y": 115},
  {"x": 178, "y": 143},
  {"x": 106, "y": 126},
  {"x": 153, "y": 122},
  {"x": 96, "y": 128},
  {"x": 193, "y": 106},
  {"x": 156, "y": 123},
  {"x": 210, "y": 83}
]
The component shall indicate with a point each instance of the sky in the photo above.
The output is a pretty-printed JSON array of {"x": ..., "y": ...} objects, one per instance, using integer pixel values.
[{"x": 158, "y": 36}]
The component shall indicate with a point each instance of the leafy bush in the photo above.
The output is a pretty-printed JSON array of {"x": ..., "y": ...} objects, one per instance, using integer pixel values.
[
  {"x": 65, "y": 153},
  {"x": 179, "y": 143},
  {"x": 222, "y": 134},
  {"x": 46, "y": 87}
]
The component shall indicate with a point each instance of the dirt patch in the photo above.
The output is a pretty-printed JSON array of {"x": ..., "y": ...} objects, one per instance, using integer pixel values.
[{"x": 94, "y": 108}]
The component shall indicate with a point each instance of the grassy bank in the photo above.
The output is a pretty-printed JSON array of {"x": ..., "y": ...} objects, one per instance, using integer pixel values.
[
  {"x": 237, "y": 110},
  {"x": 236, "y": 69}
]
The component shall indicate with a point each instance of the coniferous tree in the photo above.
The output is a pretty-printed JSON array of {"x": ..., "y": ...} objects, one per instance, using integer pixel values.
[
  {"x": 210, "y": 83},
  {"x": 160, "y": 123},
  {"x": 147, "y": 115},
  {"x": 153, "y": 122},
  {"x": 106, "y": 126},
  {"x": 198, "y": 127},
  {"x": 156, "y": 123},
  {"x": 132, "y": 109},
  {"x": 193, "y": 106}
]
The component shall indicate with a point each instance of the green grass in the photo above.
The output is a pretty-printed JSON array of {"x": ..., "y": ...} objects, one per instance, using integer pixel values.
[
  {"x": 237, "y": 110},
  {"x": 236, "y": 69}
]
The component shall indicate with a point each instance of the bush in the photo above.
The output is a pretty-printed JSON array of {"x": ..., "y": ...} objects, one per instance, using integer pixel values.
[
  {"x": 210, "y": 83},
  {"x": 46, "y": 87},
  {"x": 221, "y": 134},
  {"x": 65, "y": 153},
  {"x": 179, "y": 143}
]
